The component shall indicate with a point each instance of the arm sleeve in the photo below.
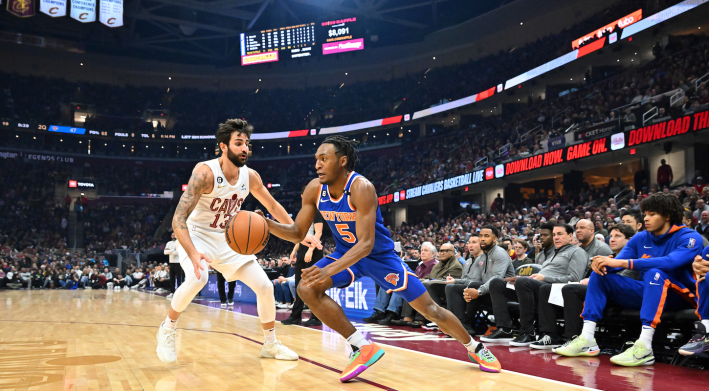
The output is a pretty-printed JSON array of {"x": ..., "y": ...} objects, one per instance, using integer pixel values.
[
  {"x": 475, "y": 275},
  {"x": 681, "y": 255},
  {"x": 499, "y": 268},
  {"x": 169, "y": 249},
  {"x": 574, "y": 271}
]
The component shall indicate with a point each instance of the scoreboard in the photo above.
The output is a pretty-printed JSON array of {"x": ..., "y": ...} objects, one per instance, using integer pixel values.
[
  {"x": 286, "y": 43},
  {"x": 274, "y": 44}
]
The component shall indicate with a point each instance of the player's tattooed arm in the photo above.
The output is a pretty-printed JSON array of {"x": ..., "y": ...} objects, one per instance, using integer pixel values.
[{"x": 201, "y": 180}]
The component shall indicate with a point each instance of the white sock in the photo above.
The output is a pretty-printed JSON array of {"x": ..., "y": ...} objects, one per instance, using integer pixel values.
[
  {"x": 170, "y": 324},
  {"x": 646, "y": 336},
  {"x": 270, "y": 335},
  {"x": 472, "y": 345},
  {"x": 357, "y": 340},
  {"x": 705, "y": 322},
  {"x": 589, "y": 329}
]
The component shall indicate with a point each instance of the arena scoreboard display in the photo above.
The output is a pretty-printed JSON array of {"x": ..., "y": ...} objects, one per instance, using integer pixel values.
[{"x": 303, "y": 40}]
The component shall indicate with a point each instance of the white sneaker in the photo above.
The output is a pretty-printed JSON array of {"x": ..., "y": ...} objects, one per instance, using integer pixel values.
[
  {"x": 223, "y": 305},
  {"x": 290, "y": 306},
  {"x": 125, "y": 288},
  {"x": 230, "y": 303},
  {"x": 278, "y": 351},
  {"x": 170, "y": 296},
  {"x": 116, "y": 288},
  {"x": 166, "y": 344},
  {"x": 134, "y": 287},
  {"x": 281, "y": 306},
  {"x": 159, "y": 290}
]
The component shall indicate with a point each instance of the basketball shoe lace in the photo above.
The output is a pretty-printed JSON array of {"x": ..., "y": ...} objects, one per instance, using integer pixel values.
[
  {"x": 169, "y": 338},
  {"x": 486, "y": 354}
]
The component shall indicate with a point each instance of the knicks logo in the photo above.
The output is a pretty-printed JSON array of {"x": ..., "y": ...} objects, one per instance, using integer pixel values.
[{"x": 392, "y": 278}]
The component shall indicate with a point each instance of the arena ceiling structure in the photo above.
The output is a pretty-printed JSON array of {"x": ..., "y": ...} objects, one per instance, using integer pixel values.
[{"x": 199, "y": 31}]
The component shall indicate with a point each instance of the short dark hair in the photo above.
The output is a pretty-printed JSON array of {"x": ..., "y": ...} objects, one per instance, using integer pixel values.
[
  {"x": 569, "y": 229},
  {"x": 230, "y": 126},
  {"x": 344, "y": 147},
  {"x": 548, "y": 226},
  {"x": 491, "y": 228},
  {"x": 624, "y": 229},
  {"x": 666, "y": 205},
  {"x": 523, "y": 243},
  {"x": 474, "y": 235},
  {"x": 635, "y": 214}
]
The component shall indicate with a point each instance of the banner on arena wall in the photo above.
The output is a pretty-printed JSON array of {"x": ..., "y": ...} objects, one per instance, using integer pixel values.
[
  {"x": 53, "y": 8},
  {"x": 556, "y": 142},
  {"x": 21, "y": 8},
  {"x": 111, "y": 13},
  {"x": 83, "y": 10},
  {"x": 594, "y": 131}
]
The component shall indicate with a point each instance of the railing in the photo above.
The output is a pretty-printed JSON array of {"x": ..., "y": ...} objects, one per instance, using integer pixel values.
[
  {"x": 525, "y": 136},
  {"x": 570, "y": 128},
  {"x": 677, "y": 98},
  {"x": 653, "y": 112},
  {"x": 642, "y": 102},
  {"x": 483, "y": 160},
  {"x": 401, "y": 180},
  {"x": 504, "y": 150},
  {"x": 700, "y": 80},
  {"x": 626, "y": 193}
]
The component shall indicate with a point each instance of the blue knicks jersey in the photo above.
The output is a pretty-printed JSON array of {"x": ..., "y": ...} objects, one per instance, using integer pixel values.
[{"x": 340, "y": 216}]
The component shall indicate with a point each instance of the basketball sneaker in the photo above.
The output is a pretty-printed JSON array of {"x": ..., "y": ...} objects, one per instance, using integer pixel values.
[
  {"x": 361, "y": 360},
  {"x": 699, "y": 342},
  {"x": 166, "y": 344},
  {"x": 578, "y": 347},
  {"x": 636, "y": 356},
  {"x": 485, "y": 359},
  {"x": 278, "y": 351}
]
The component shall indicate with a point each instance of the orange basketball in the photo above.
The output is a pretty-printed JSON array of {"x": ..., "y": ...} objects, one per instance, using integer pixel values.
[{"x": 246, "y": 233}]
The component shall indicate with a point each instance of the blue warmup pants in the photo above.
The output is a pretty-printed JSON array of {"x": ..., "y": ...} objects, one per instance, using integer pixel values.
[
  {"x": 656, "y": 293},
  {"x": 703, "y": 299}
]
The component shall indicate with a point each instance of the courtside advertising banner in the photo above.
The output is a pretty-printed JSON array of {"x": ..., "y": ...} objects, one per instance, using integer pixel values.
[
  {"x": 53, "y": 8},
  {"x": 83, "y": 10},
  {"x": 111, "y": 13},
  {"x": 21, "y": 8}
]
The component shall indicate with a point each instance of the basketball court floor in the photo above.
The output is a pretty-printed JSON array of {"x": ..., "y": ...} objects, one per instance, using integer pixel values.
[{"x": 98, "y": 339}]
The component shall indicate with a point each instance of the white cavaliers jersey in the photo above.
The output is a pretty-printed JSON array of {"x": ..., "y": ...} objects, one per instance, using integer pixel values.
[{"x": 214, "y": 209}]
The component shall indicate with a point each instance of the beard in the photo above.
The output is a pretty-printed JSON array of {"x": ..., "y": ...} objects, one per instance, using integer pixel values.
[{"x": 235, "y": 159}]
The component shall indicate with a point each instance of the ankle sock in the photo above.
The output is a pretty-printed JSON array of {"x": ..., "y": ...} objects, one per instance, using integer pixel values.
[
  {"x": 589, "y": 330},
  {"x": 170, "y": 324},
  {"x": 270, "y": 335},
  {"x": 357, "y": 341},
  {"x": 646, "y": 336},
  {"x": 472, "y": 345},
  {"x": 705, "y": 322}
]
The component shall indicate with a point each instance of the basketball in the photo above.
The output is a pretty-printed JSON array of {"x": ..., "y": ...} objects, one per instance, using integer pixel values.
[{"x": 246, "y": 233}]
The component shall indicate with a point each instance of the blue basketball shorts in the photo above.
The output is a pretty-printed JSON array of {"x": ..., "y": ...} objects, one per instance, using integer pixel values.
[{"x": 387, "y": 270}]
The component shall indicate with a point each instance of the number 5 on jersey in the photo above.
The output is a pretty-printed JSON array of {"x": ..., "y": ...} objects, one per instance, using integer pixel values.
[{"x": 346, "y": 235}]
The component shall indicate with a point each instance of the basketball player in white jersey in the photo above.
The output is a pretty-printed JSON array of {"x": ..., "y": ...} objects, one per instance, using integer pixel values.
[{"x": 216, "y": 192}]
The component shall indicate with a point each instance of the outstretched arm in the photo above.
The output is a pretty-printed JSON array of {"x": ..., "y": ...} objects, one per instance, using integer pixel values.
[
  {"x": 295, "y": 231},
  {"x": 266, "y": 199}
]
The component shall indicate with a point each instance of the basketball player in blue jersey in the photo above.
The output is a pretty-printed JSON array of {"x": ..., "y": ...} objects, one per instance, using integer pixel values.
[{"x": 348, "y": 203}]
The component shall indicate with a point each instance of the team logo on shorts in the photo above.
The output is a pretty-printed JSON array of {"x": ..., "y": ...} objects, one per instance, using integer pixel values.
[
  {"x": 691, "y": 243},
  {"x": 392, "y": 278}
]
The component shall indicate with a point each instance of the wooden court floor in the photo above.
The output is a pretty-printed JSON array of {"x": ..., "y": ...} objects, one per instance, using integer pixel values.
[{"x": 86, "y": 340}]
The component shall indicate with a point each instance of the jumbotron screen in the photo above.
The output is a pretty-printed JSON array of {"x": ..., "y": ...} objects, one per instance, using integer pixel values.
[{"x": 285, "y": 43}]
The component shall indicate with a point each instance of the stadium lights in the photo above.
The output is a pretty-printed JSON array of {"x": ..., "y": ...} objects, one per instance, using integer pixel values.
[
  {"x": 345, "y": 73},
  {"x": 34, "y": 138},
  {"x": 169, "y": 78},
  {"x": 521, "y": 23},
  {"x": 104, "y": 144},
  {"x": 79, "y": 142},
  {"x": 434, "y": 57},
  {"x": 259, "y": 79},
  {"x": 17, "y": 136},
  {"x": 61, "y": 141}
]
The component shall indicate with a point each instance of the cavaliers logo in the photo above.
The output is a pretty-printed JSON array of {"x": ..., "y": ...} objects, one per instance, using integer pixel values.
[{"x": 392, "y": 278}]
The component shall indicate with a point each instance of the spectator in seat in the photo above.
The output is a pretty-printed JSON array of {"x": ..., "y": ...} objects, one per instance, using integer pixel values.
[
  {"x": 633, "y": 218},
  {"x": 447, "y": 268},
  {"x": 700, "y": 205},
  {"x": 587, "y": 239},
  {"x": 664, "y": 175},
  {"x": 409, "y": 317},
  {"x": 544, "y": 243},
  {"x": 521, "y": 247},
  {"x": 468, "y": 293},
  {"x": 663, "y": 254},
  {"x": 568, "y": 264},
  {"x": 703, "y": 227},
  {"x": 574, "y": 296}
]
